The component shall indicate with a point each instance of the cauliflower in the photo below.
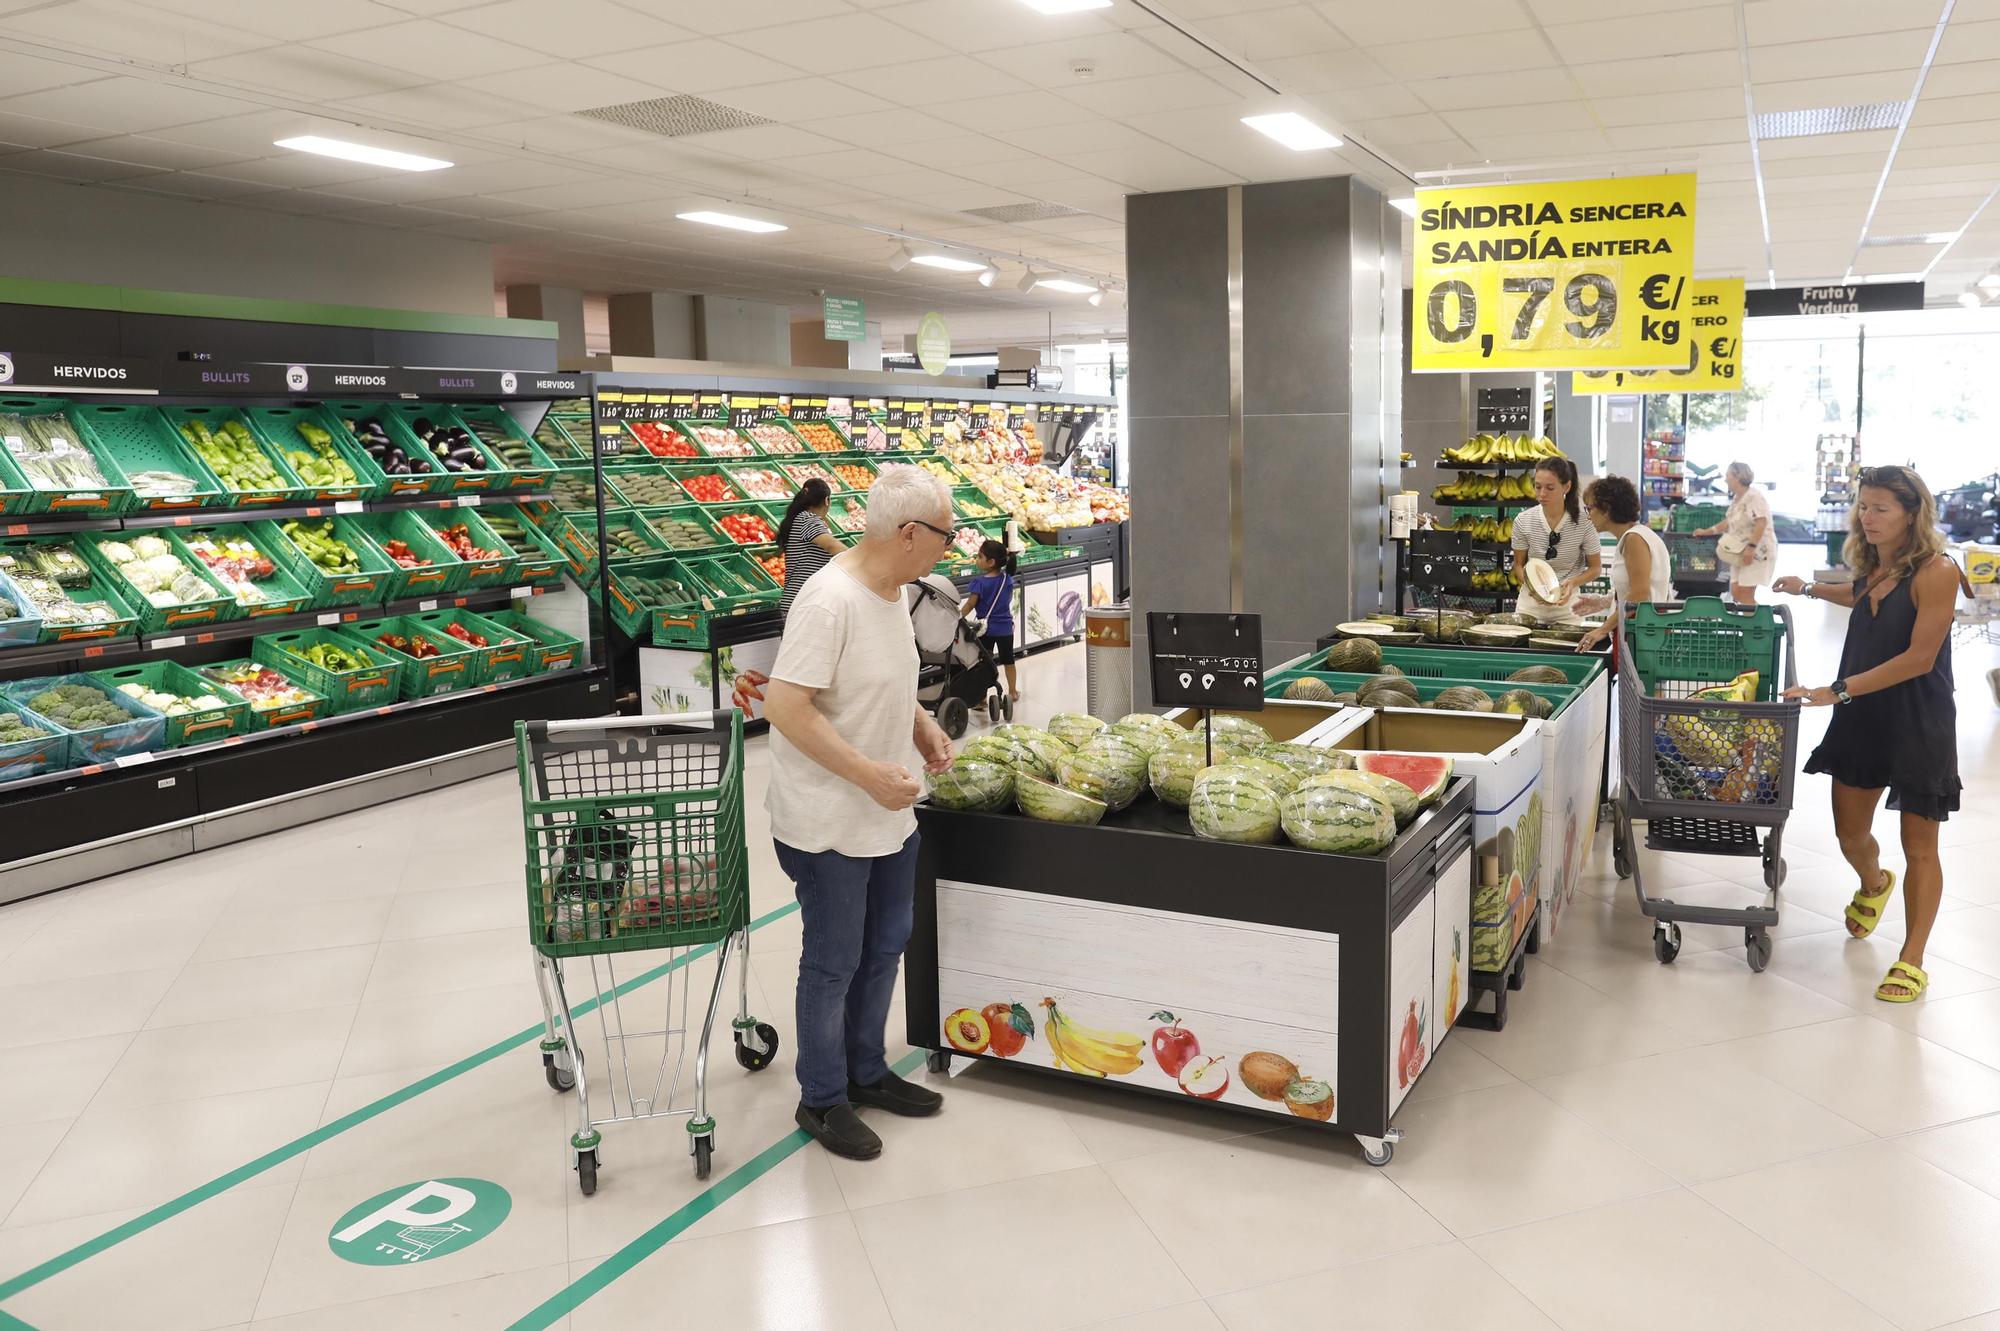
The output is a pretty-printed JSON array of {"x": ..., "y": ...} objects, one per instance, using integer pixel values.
[{"x": 151, "y": 547}]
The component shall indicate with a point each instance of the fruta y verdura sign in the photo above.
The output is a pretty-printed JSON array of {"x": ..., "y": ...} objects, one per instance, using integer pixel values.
[{"x": 1559, "y": 275}]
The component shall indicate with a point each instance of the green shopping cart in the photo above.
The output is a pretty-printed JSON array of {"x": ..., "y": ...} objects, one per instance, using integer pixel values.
[{"x": 635, "y": 844}]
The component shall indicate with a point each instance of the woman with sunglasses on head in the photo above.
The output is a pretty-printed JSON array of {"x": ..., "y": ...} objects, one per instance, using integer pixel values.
[
  {"x": 1894, "y": 724},
  {"x": 1555, "y": 530},
  {"x": 1749, "y": 546}
]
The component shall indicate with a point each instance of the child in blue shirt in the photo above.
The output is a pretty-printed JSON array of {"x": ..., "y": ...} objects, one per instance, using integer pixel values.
[{"x": 990, "y": 597}]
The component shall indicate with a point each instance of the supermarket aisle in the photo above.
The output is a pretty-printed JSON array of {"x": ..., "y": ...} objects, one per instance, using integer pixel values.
[{"x": 1642, "y": 1147}]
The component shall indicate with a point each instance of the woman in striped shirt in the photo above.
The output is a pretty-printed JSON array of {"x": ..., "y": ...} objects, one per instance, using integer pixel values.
[{"x": 807, "y": 542}]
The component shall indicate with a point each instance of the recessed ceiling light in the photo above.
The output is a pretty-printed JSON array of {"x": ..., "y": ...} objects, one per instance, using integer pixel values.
[
  {"x": 1066, "y": 6},
  {"x": 1831, "y": 120},
  {"x": 1293, "y": 130},
  {"x": 732, "y": 221},
  {"x": 1407, "y": 207},
  {"x": 949, "y": 263},
  {"x": 1065, "y": 284},
  {"x": 362, "y": 152},
  {"x": 1925, "y": 238}
]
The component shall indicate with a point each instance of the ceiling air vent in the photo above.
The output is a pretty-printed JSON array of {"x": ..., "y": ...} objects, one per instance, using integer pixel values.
[
  {"x": 675, "y": 117},
  {"x": 1830, "y": 120},
  {"x": 1026, "y": 212}
]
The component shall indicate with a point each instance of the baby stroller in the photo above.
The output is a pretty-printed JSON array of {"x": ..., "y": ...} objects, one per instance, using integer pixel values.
[{"x": 958, "y": 672}]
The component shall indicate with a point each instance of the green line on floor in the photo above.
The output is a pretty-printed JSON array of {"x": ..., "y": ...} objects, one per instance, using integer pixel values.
[
  {"x": 9, "y": 1322},
  {"x": 566, "y": 1300},
  {"x": 110, "y": 1238}
]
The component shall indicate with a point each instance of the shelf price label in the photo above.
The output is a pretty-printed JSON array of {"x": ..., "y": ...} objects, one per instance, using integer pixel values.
[
  {"x": 1714, "y": 362},
  {"x": 1560, "y": 275}
]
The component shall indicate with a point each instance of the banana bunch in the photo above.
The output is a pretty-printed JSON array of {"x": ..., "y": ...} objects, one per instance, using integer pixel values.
[
  {"x": 1092, "y": 1052},
  {"x": 1497, "y": 581},
  {"x": 1502, "y": 448},
  {"x": 1469, "y": 488},
  {"x": 1516, "y": 487},
  {"x": 1486, "y": 529}
]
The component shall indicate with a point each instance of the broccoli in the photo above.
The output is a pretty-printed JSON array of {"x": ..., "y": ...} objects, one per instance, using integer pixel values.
[{"x": 78, "y": 707}]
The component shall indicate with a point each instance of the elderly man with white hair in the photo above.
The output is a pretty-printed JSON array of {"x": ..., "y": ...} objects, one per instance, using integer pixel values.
[{"x": 845, "y": 731}]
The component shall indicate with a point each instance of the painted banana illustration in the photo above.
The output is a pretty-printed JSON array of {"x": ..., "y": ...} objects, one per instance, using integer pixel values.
[{"x": 1089, "y": 1051}]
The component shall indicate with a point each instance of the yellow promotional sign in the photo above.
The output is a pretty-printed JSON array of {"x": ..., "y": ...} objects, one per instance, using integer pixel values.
[
  {"x": 1714, "y": 353},
  {"x": 1562, "y": 275}
]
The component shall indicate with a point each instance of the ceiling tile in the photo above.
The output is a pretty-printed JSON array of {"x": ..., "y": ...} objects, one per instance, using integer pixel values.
[
  {"x": 1122, "y": 98},
  {"x": 699, "y": 67},
  {"x": 66, "y": 166},
  {"x": 710, "y": 17},
  {"x": 1577, "y": 11},
  {"x": 855, "y": 164},
  {"x": 1949, "y": 110},
  {"x": 1970, "y": 78},
  {"x": 304, "y": 71},
  {"x": 188, "y": 186},
  {"x": 1967, "y": 42},
  {"x": 26, "y": 73},
  {"x": 1844, "y": 90},
  {"x": 437, "y": 106},
  {"x": 160, "y": 154},
  {"x": 1152, "y": 167},
  {"x": 1770, "y": 22},
  {"x": 1504, "y": 147},
  {"x": 432, "y": 49},
  {"x": 1468, "y": 92},
  {"x": 1330, "y": 71},
  {"x": 132, "y": 31},
  {"x": 1291, "y": 30},
  {"x": 1549, "y": 115},
  {"x": 1370, "y": 23},
  {"x": 1365, "y": 103},
  {"x": 124, "y": 105},
  {"x": 883, "y": 129},
  {"x": 1704, "y": 28},
  {"x": 1688, "y": 72},
  {"x": 572, "y": 29},
  {"x": 1667, "y": 108},
  {"x": 1112, "y": 56},
  {"x": 995, "y": 115},
  {"x": 1841, "y": 55},
  {"x": 1443, "y": 57},
  {"x": 965, "y": 151},
  {"x": 287, "y": 22},
  {"x": 35, "y": 132},
  {"x": 914, "y": 85},
  {"x": 845, "y": 41},
  {"x": 1401, "y": 131},
  {"x": 801, "y": 99},
  {"x": 1874, "y": 142},
  {"x": 564, "y": 87},
  {"x": 987, "y": 27}
]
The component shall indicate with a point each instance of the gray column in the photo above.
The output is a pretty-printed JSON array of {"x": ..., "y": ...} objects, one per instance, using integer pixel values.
[
  {"x": 1319, "y": 274},
  {"x": 659, "y": 324},
  {"x": 561, "y": 305}
]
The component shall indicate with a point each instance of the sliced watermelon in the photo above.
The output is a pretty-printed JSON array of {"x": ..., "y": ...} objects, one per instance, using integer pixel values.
[{"x": 1426, "y": 773}]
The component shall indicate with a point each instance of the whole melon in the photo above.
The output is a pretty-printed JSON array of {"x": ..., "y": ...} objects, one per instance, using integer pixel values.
[
  {"x": 1009, "y": 753},
  {"x": 1240, "y": 731},
  {"x": 1509, "y": 617},
  {"x": 1278, "y": 776},
  {"x": 1346, "y": 699},
  {"x": 1395, "y": 683},
  {"x": 972, "y": 785},
  {"x": 1051, "y": 803},
  {"x": 1463, "y": 698},
  {"x": 1096, "y": 773},
  {"x": 1230, "y": 804},
  {"x": 1538, "y": 674},
  {"x": 1399, "y": 797},
  {"x": 1304, "y": 758},
  {"x": 1310, "y": 688},
  {"x": 1122, "y": 759},
  {"x": 1355, "y": 656},
  {"x": 1073, "y": 728},
  {"x": 1340, "y": 819},
  {"x": 1171, "y": 772},
  {"x": 1151, "y": 733},
  {"x": 1520, "y": 702},
  {"x": 1446, "y": 627}
]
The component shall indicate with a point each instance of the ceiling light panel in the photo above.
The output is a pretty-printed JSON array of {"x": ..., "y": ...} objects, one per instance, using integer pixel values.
[
  {"x": 1064, "y": 284},
  {"x": 1293, "y": 130},
  {"x": 1065, "y": 6},
  {"x": 1831, "y": 120},
  {"x": 732, "y": 222},
  {"x": 1928, "y": 238},
  {"x": 950, "y": 263},
  {"x": 364, "y": 153}
]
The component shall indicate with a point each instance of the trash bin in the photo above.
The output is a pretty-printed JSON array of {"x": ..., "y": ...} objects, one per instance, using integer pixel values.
[{"x": 1108, "y": 660}]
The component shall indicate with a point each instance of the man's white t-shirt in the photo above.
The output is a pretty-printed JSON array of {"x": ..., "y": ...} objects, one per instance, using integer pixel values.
[{"x": 860, "y": 652}]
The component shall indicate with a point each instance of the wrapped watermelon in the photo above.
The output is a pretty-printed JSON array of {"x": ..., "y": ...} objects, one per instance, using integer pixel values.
[
  {"x": 1151, "y": 733},
  {"x": 1229, "y": 803},
  {"x": 1104, "y": 772},
  {"x": 1239, "y": 731},
  {"x": 1304, "y": 758},
  {"x": 1009, "y": 753},
  {"x": 1401, "y": 800},
  {"x": 1341, "y": 819},
  {"x": 1073, "y": 728},
  {"x": 1428, "y": 774},
  {"x": 1041, "y": 743},
  {"x": 1281, "y": 779},
  {"x": 1052, "y": 804},
  {"x": 1171, "y": 772},
  {"x": 972, "y": 785}
]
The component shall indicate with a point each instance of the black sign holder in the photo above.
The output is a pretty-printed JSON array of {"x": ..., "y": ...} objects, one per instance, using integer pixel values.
[
  {"x": 1441, "y": 561},
  {"x": 1206, "y": 661}
]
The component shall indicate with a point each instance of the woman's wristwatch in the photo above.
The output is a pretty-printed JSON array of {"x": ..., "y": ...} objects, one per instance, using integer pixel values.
[{"x": 1840, "y": 693}]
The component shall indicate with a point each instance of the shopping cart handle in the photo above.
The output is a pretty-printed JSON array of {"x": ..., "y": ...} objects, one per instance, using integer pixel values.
[{"x": 715, "y": 720}]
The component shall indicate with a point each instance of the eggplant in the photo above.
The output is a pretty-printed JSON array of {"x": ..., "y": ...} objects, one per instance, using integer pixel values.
[{"x": 469, "y": 456}]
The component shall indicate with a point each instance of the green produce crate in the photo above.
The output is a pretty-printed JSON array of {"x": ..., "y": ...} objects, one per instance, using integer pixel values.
[
  {"x": 739, "y": 474},
  {"x": 936, "y": 465},
  {"x": 770, "y": 559},
  {"x": 292, "y": 713},
  {"x": 153, "y": 618},
  {"x": 553, "y": 649},
  {"x": 280, "y": 428},
  {"x": 327, "y": 590},
  {"x": 1557, "y": 696},
  {"x": 865, "y": 461},
  {"x": 833, "y": 438},
  {"x": 446, "y": 571},
  {"x": 848, "y": 515},
  {"x": 722, "y": 511},
  {"x": 394, "y": 418},
  {"x": 24, "y": 758},
  {"x": 479, "y": 573},
  {"x": 963, "y": 497},
  {"x": 677, "y": 527},
  {"x": 629, "y": 537},
  {"x": 1482, "y": 665},
  {"x": 1693, "y": 517},
  {"x": 233, "y": 718},
  {"x": 282, "y": 591},
  {"x": 100, "y": 590},
  {"x": 800, "y": 470},
  {"x": 145, "y": 732},
  {"x": 734, "y": 582},
  {"x": 20, "y": 622},
  {"x": 646, "y": 486},
  {"x": 289, "y": 490},
  {"x": 555, "y": 437},
  {"x": 495, "y": 476},
  {"x": 573, "y": 490},
  {"x": 688, "y": 471},
  {"x": 744, "y": 448},
  {"x": 17, "y": 497},
  {"x": 640, "y": 587},
  {"x": 91, "y": 502},
  {"x": 540, "y": 561},
  {"x": 511, "y": 654},
  {"x": 525, "y": 465},
  {"x": 139, "y": 440},
  {"x": 372, "y": 685},
  {"x": 1703, "y": 641},
  {"x": 457, "y": 667}
]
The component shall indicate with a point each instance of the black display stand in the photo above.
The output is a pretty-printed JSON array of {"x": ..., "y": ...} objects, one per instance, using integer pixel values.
[{"x": 1504, "y": 981}]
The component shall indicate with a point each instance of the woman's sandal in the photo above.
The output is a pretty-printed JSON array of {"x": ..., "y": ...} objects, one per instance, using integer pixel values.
[
  {"x": 1902, "y": 975},
  {"x": 1876, "y": 903}
]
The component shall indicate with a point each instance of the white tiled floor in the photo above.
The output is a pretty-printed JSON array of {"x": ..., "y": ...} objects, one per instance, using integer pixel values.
[{"x": 1642, "y": 1147}]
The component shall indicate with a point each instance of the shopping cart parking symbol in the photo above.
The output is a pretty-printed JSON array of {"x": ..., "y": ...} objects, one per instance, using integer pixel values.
[
  {"x": 420, "y": 1241},
  {"x": 419, "y": 1221}
]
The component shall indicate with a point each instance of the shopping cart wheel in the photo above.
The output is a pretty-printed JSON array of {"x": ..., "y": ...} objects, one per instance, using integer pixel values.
[
  {"x": 757, "y": 1052},
  {"x": 1667, "y": 942},
  {"x": 1621, "y": 860},
  {"x": 1774, "y": 869},
  {"x": 586, "y": 1171},
  {"x": 937, "y": 1060},
  {"x": 993, "y": 708},
  {"x": 704, "y": 1147},
  {"x": 1757, "y": 947},
  {"x": 1007, "y": 708},
  {"x": 1381, "y": 1157},
  {"x": 560, "y": 1075},
  {"x": 952, "y": 716}
]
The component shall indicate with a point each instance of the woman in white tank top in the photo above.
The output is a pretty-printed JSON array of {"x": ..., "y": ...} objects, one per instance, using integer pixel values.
[{"x": 1643, "y": 570}]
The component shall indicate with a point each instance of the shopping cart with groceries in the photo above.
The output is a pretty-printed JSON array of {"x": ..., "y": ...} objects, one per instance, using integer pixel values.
[
  {"x": 1708, "y": 748},
  {"x": 635, "y": 845}
]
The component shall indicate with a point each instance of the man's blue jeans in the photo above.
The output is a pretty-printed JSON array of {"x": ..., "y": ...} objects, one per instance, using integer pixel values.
[{"x": 856, "y": 915}]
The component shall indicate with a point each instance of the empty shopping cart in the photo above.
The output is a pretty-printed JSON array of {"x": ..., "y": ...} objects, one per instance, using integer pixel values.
[{"x": 635, "y": 845}]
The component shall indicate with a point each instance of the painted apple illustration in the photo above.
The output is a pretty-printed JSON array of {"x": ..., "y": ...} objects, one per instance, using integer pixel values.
[
  {"x": 1411, "y": 1052},
  {"x": 1172, "y": 1046},
  {"x": 1010, "y": 1027},
  {"x": 1205, "y": 1078},
  {"x": 967, "y": 1031}
]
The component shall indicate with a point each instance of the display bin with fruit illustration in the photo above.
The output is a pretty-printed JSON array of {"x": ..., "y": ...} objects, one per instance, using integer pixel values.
[
  {"x": 550, "y": 648},
  {"x": 489, "y": 561},
  {"x": 391, "y": 458},
  {"x": 49, "y": 453},
  {"x": 332, "y": 558},
  {"x": 198, "y": 710},
  {"x": 345, "y": 670},
  {"x": 523, "y": 464},
  {"x": 1314, "y": 990},
  {"x": 328, "y": 462},
  {"x": 159, "y": 577},
  {"x": 539, "y": 562},
  {"x": 165, "y": 474},
  {"x": 635, "y": 844},
  {"x": 431, "y": 658},
  {"x": 420, "y": 563},
  {"x": 276, "y": 697},
  {"x": 1708, "y": 753},
  {"x": 252, "y": 472}
]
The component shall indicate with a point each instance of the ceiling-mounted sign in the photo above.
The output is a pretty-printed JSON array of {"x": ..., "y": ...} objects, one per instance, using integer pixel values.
[
  {"x": 1852, "y": 298},
  {"x": 933, "y": 344},
  {"x": 492, "y": 383},
  {"x": 93, "y": 374},
  {"x": 1715, "y": 351},
  {"x": 845, "y": 317},
  {"x": 1561, "y": 275}
]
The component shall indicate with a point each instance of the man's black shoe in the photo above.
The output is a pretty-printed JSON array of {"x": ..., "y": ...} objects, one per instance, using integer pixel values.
[
  {"x": 897, "y": 1096},
  {"x": 840, "y": 1130}
]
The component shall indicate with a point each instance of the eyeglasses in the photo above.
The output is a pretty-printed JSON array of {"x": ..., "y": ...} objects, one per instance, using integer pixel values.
[
  {"x": 1555, "y": 543},
  {"x": 948, "y": 535}
]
